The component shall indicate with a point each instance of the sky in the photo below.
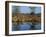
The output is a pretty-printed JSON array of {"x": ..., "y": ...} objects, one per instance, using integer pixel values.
[{"x": 26, "y": 9}]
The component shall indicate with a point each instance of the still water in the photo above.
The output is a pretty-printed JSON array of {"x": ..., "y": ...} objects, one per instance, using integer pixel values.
[{"x": 26, "y": 26}]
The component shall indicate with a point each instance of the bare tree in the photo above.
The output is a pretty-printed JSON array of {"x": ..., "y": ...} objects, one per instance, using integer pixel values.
[{"x": 32, "y": 13}]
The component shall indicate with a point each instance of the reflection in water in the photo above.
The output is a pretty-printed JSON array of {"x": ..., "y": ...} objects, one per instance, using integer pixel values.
[{"x": 26, "y": 26}]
